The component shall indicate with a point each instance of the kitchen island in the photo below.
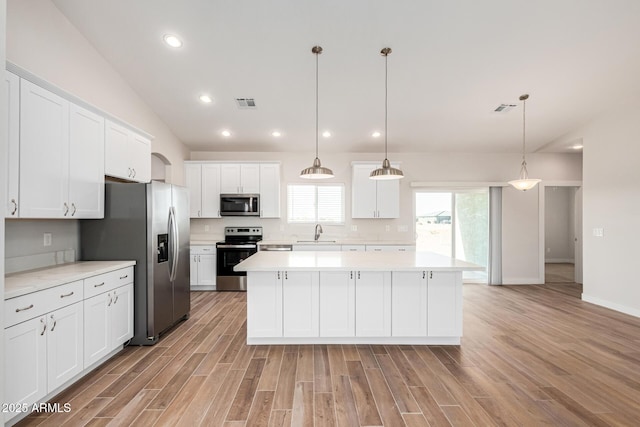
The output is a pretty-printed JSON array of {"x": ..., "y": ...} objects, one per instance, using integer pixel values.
[{"x": 354, "y": 298}]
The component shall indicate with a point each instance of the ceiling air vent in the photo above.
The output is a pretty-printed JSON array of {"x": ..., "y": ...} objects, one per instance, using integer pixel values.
[
  {"x": 504, "y": 108},
  {"x": 246, "y": 103}
]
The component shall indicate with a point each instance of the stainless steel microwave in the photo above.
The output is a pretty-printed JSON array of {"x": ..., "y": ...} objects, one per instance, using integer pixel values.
[{"x": 239, "y": 205}]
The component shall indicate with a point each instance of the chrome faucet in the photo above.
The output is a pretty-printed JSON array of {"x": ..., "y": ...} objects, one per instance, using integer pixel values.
[{"x": 318, "y": 232}]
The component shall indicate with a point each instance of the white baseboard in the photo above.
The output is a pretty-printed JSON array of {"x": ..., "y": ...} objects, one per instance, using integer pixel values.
[
  {"x": 611, "y": 305},
  {"x": 559, "y": 261},
  {"x": 521, "y": 281}
]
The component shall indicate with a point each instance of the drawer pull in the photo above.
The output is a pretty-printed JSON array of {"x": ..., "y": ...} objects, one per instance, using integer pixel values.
[
  {"x": 124, "y": 277},
  {"x": 66, "y": 295},
  {"x": 98, "y": 285},
  {"x": 18, "y": 310}
]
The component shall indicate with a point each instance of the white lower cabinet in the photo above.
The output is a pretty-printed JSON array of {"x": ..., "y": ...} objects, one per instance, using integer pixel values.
[
  {"x": 25, "y": 363},
  {"x": 264, "y": 304},
  {"x": 300, "y": 294},
  {"x": 337, "y": 304},
  {"x": 108, "y": 322},
  {"x": 373, "y": 304},
  {"x": 52, "y": 336},
  {"x": 203, "y": 268},
  {"x": 64, "y": 345},
  {"x": 409, "y": 304},
  {"x": 444, "y": 304}
]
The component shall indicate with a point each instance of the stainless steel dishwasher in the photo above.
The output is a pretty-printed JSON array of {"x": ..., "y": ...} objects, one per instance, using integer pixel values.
[{"x": 270, "y": 247}]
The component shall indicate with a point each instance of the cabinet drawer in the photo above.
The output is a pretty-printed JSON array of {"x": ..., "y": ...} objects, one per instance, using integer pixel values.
[
  {"x": 105, "y": 282},
  {"x": 28, "y": 306},
  {"x": 202, "y": 250}
]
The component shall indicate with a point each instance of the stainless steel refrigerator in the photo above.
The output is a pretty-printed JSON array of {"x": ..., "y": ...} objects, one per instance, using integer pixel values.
[{"x": 148, "y": 223}]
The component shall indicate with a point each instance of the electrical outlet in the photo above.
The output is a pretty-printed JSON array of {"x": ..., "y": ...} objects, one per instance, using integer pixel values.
[
  {"x": 206, "y": 228},
  {"x": 403, "y": 228},
  {"x": 48, "y": 238},
  {"x": 387, "y": 228},
  {"x": 598, "y": 232},
  {"x": 354, "y": 228}
]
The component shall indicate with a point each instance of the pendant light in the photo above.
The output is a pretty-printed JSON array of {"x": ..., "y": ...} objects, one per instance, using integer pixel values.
[
  {"x": 317, "y": 171},
  {"x": 524, "y": 183},
  {"x": 386, "y": 171}
]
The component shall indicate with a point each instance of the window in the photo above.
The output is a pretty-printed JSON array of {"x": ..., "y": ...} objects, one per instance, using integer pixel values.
[{"x": 315, "y": 203}]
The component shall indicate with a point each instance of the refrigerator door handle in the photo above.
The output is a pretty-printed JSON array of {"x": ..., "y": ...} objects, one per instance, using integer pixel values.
[
  {"x": 171, "y": 247},
  {"x": 174, "y": 240}
]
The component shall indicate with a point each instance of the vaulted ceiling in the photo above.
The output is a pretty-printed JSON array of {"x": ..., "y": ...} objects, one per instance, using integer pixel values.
[{"x": 453, "y": 63}]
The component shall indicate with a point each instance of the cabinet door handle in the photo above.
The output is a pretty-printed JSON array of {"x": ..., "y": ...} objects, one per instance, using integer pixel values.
[
  {"x": 374, "y": 213},
  {"x": 44, "y": 324},
  {"x": 18, "y": 310},
  {"x": 15, "y": 207},
  {"x": 66, "y": 209},
  {"x": 115, "y": 300},
  {"x": 110, "y": 300},
  {"x": 66, "y": 295},
  {"x": 351, "y": 275},
  {"x": 358, "y": 275},
  {"x": 73, "y": 205},
  {"x": 98, "y": 285},
  {"x": 195, "y": 258},
  {"x": 285, "y": 276},
  {"x": 54, "y": 323},
  {"x": 134, "y": 173},
  {"x": 424, "y": 274},
  {"x": 198, "y": 258},
  {"x": 431, "y": 275},
  {"x": 129, "y": 169},
  {"x": 199, "y": 214},
  {"x": 124, "y": 277},
  {"x": 278, "y": 275}
]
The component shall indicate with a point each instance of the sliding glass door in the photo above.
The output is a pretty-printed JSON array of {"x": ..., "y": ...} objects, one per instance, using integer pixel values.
[{"x": 455, "y": 224}]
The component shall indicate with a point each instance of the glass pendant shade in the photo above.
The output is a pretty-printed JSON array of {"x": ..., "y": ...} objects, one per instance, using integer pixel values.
[
  {"x": 317, "y": 171},
  {"x": 386, "y": 172},
  {"x": 524, "y": 183}
]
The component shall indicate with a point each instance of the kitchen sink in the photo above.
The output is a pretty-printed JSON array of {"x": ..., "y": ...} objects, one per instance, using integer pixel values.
[{"x": 315, "y": 241}]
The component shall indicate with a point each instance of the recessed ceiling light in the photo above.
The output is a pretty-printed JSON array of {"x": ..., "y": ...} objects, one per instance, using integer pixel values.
[
  {"x": 172, "y": 40},
  {"x": 276, "y": 133},
  {"x": 226, "y": 133},
  {"x": 326, "y": 134},
  {"x": 376, "y": 134},
  {"x": 206, "y": 99},
  {"x": 577, "y": 147}
]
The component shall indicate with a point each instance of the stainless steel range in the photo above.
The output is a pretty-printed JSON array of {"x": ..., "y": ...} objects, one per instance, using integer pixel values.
[{"x": 239, "y": 244}]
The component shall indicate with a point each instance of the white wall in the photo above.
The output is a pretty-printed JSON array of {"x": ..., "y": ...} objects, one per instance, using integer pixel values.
[
  {"x": 611, "y": 201},
  {"x": 520, "y": 210},
  {"x": 41, "y": 40},
  {"x": 559, "y": 222},
  {"x": 3, "y": 188}
]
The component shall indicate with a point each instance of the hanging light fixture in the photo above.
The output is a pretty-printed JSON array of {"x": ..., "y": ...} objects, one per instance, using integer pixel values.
[
  {"x": 386, "y": 171},
  {"x": 524, "y": 183},
  {"x": 317, "y": 171}
]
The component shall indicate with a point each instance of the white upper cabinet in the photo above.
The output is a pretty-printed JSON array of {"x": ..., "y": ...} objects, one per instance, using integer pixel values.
[
  {"x": 44, "y": 153},
  {"x": 127, "y": 154},
  {"x": 240, "y": 178},
  {"x": 61, "y": 157},
  {"x": 203, "y": 181},
  {"x": 86, "y": 163},
  {"x": 373, "y": 198},
  {"x": 270, "y": 190},
  {"x": 12, "y": 82}
]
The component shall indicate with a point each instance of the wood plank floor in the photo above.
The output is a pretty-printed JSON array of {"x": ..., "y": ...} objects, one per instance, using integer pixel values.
[{"x": 530, "y": 356}]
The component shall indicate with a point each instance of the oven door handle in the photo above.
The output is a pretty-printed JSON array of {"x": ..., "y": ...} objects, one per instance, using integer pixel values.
[{"x": 248, "y": 246}]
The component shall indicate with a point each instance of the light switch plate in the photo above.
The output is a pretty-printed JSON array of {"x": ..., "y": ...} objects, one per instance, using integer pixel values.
[
  {"x": 598, "y": 232},
  {"x": 403, "y": 228},
  {"x": 206, "y": 228},
  {"x": 354, "y": 228},
  {"x": 47, "y": 239}
]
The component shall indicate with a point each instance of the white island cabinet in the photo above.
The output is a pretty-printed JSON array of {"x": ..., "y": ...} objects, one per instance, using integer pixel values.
[{"x": 326, "y": 297}]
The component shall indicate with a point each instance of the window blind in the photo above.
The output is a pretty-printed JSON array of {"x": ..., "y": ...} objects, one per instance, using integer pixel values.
[{"x": 315, "y": 203}]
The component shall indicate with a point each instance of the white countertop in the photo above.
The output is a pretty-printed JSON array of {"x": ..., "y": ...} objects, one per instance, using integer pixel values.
[
  {"x": 25, "y": 282},
  {"x": 329, "y": 241},
  {"x": 345, "y": 261}
]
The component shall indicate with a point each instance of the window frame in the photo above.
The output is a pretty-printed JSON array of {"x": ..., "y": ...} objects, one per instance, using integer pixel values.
[{"x": 316, "y": 186}]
